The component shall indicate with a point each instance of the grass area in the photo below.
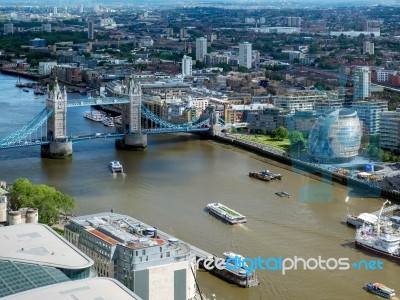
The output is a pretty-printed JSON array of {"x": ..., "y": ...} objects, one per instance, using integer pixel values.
[
  {"x": 229, "y": 211},
  {"x": 267, "y": 140}
]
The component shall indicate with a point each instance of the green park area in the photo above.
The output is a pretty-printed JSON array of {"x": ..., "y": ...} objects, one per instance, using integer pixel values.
[{"x": 267, "y": 140}]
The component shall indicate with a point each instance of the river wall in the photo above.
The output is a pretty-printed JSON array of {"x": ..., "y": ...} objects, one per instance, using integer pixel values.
[{"x": 283, "y": 160}]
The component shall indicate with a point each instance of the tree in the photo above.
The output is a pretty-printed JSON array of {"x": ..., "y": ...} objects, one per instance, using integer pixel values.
[
  {"x": 297, "y": 143},
  {"x": 47, "y": 200},
  {"x": 281, "y": 133}
]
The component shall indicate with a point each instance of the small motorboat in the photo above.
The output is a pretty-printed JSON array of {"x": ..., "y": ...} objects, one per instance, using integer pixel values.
[
  {"x": 283, "y": 194},
  {"x": 381, "y": 290},
  {"x": 116, "y": 167}
]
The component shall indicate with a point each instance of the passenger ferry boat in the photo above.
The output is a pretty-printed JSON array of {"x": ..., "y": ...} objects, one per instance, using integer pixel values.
[
  {"x": 381, "y": 290},
  {"x": 225, "y": 213},
  {"x": 116, "y": 167},
  {"x": 237, "y": 273},
  {"x": 94, "y": 115}
]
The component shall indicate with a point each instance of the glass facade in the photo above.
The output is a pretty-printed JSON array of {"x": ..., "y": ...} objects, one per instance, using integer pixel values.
[{"x": 335, "y": 136}]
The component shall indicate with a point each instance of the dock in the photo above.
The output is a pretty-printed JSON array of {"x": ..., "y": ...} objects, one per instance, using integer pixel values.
[{"x": 387, "y": 211}]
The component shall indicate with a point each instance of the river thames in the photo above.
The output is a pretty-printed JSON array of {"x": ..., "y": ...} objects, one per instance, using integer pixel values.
[{"x": 169, "y": 185}]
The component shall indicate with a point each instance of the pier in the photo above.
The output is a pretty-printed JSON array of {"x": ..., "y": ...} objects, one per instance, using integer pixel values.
[{"x": 387, "y": 211}]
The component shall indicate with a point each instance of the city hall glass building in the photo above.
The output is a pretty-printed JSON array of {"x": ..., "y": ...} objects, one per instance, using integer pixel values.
[{"x": 335, "y": 136}]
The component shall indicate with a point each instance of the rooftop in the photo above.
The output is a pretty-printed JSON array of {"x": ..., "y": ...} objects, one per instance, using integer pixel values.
[
  {"x": 39, "y": 244},
  {"x": 98, "y": 288}
]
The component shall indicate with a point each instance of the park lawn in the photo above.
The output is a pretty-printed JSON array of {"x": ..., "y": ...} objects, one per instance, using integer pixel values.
[{"x": 267, "y": 140}]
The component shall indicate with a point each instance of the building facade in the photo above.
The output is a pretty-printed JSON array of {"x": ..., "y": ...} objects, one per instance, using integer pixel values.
[
  {"x": 90, "y": 30},
  {"x": 362, "y": 81},
  {"x": 8, "y": 28},
  {"x": 201, "y": 48},
  {"x": 368, "y": 48},
  {"x": 295, "y": 100},
  {"x": 245, "y": 55},
  {"x": 45, "y": 68},
  {"x": 369, "y": 113},
  {"x": 390, "y": 130},
  {"x": 136, "y": 255},
  {"x": 335, "y": 136}
]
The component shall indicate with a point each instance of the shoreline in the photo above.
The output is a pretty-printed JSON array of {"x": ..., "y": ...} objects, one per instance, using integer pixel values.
[{"x": 281, "y": 159}]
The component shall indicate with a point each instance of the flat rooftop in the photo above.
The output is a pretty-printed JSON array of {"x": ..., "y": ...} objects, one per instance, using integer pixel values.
[
  {"x": 39, "y": 244},
  {"x": 97, "y": 288}
]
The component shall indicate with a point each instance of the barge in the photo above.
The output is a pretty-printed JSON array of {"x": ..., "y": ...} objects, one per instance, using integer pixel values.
[
  {"x": 226, "y": 214},
  {"x": 265, "y": 175}
]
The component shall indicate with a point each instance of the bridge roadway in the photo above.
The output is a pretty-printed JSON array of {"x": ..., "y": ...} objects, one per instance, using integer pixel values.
[{"x": 97, "y": 101}]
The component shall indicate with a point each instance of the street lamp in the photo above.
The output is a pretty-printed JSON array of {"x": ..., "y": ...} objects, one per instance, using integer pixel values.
[{"x": 380, "y": 212}]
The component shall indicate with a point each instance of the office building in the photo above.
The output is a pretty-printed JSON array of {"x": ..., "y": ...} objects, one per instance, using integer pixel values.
[
  {"x": 361, "y": 83},
  {"x": 390, "y": 130},
  {"x": 369, "y": 113},
  {"x": 8, "y": 28},
  {"x": 45, "y": 67},
  {"x": 38, "y": 43},
  {"x": 368, "y": 48},
  {"x": 186, "y": 66},
  {"x": 335, "y": 136},
  {"x": 55, "y": 10},
  {"x": 135, "y": 254},
  {"x": 201, "y": 48},
  {"x": 245, "y": 55},
  {"x": 90, "y": 30}
]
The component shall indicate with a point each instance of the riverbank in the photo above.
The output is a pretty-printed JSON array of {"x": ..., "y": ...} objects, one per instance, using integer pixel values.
[{"x": 321, "y": 172}]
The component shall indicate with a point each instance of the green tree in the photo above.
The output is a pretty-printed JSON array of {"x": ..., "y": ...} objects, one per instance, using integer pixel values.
[
  {"x": 297, "y": 143},
  {"x": 281, "y": 133},
  {"x": 263, "y": 131},
  {"x": 47, "y": 200}
]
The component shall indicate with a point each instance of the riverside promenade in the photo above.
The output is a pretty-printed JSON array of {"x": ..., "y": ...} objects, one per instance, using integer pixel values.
[{"x": 324, "y": 172}]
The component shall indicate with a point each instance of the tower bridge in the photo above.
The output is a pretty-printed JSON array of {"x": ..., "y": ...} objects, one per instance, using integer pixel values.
[{"x": 49, "y": 127}]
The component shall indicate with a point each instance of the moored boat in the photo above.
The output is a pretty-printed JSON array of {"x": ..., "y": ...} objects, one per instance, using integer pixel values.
[
  {"x": 381, "y": 290},
  {"x": 359, "y": 220},
  {"x": 94, "y": 115},
  {"x": 265, "y": 175},
  {"x": 108, "y": 121},
  {"x": 225, "y": 213}
]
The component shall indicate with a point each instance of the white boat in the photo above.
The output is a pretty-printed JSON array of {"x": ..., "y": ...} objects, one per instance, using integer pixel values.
[
  {"x": 94, "y": 115},
  {"x": 384, "y": 243},
  {"x": 116, "y": 167},
  {"x": 108, "y": 121},
  {"x": 118, "y": 120},
  {"x": 359, "y": 220},
  {"x": 225, "y": 213}
]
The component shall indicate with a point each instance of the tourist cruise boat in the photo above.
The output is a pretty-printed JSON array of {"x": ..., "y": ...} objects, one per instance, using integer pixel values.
[
  {"x": 108, "y": 121},
  {"x": 381, "y": 290},
  {"x": 94, "y": 115},
  {"x": 225, "y": 213},
  {"x": 116, "y": 167},
  {"x": 385, "y": 243}
]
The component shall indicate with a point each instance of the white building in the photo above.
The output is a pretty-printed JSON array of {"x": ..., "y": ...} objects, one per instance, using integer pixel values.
[
  {"x": 368, "y": 48},
  {"x": 108, "y": 23},
  {"x": 390, "y": 130},
  {"x": 293, "y": 21},
  {"x": 352, "y": 33},
  {"x": 55, "y": 10},
  {"x": 201, "y": 48},
  {"x": 90, "y": 30},
  {"x": 245, "y": 52},
  {"x": 299, "y": 100},
  {"x": 46, "y": 67},
  {"x": 361, "y": 83},
  {"x": 153, "y": 266},
  {"x": 186, "y": 66},
  {"x": 369, "y": 113},
  {"x": 46, "y": 27}
]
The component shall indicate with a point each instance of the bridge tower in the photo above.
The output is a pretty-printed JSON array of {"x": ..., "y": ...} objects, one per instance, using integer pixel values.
[
  {"x": 134, "y": 139},
  {"x": 59, "y": 146}
]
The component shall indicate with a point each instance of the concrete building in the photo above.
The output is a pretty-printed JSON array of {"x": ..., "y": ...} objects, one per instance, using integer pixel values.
[
  {"x": 183, "y": 33},
  {"x": 245, "y": 55},
  {"x": 361, "y": 83},
  {"x": 134, "y": 254},
  {"x": 186, "y": 66},
  {"x": 45, "y": 67},
  {"x": 90, "y": 30},
  {"x": 293, "y": 21},
  {"x": 108, "y": 23},
  {"x": 352, "y": 33},
  {"x": 212, "y": 59},
  {"x": 8, "y": 28},
  {"x": 91, "y": 288},
  {"x": 270, "y": 118},
  {"x": 390, "y": 130},
  {"x": 368, "y": 48},
  {"x": 299, "y": 100},
  {"x": 55, "y": 10},
  {"x": 335, "y": 136},
  {"x": 34, "y": 255},
  {"x": 201, "y": 48},
  {"x": 46, "y": 27},
  {"x": 302, "y": 121},
  {"x": 369, "y": 113}
]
